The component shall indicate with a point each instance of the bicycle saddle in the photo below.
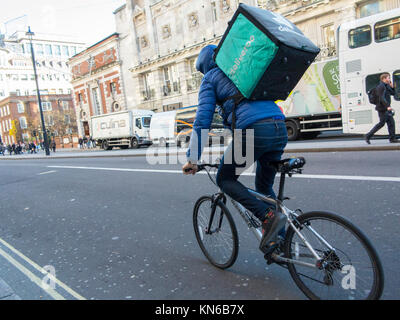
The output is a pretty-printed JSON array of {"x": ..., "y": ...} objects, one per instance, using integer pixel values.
[{"x": 288, "y": 164}]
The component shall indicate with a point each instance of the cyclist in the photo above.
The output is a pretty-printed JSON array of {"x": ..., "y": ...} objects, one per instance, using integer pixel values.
[{"x": 266, "y": 120}]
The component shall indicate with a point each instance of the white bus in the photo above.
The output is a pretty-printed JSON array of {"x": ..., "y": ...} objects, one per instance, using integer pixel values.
[{"x": 368, "y": 47}]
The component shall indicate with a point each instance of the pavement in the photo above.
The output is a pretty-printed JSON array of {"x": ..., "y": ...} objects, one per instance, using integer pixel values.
[
  {"x": 6, "y": 293},
  {"x": 316, "y": 145}
]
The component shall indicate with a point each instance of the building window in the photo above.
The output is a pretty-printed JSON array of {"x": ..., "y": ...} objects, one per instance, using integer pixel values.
[
  {"x": 57, "y": 50},
  {"x": 22, "y": 123},
  {"x": 96, "y": 101},
  {"x": 370, "y": 8},
  {"x": 73, "y": 50},
  {"x": 50, "y": 120},
  {"x": 20, "y": 107},
  {"x": 48, "y": 49},
  {"x": 46, "y": 106},
  {"x": 65, "y": 105},
  {"x": 67, "y": 119},
  {"x": 360, "y": 37},
  {"x": 147, "y": 80},
  {"x": 214, "y": 11},
  {"x": 24, "y": 77},
  {"x": 65, "y": 51},
  {"x": 387, "y": 30},
  {"x": 39, "y": 49},
  {"x": 171, "y": 80},
  {"x": 329, "y": 39},
  {"x": 113, "y": 88}
]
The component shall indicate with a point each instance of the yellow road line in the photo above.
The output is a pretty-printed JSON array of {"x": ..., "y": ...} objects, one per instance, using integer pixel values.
[
  {"x": 54, "y": 294},
  {"x": 40, "y": 269}
]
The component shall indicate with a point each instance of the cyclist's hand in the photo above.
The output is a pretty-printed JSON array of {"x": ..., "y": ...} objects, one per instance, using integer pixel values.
[{"x": 189, "y": 168}]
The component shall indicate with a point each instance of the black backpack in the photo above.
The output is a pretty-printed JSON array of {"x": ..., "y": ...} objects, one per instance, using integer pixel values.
[{"x": 373, "y": 96}]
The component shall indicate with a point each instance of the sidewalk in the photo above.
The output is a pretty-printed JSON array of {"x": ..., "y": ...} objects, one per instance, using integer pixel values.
[
  {"x": 6, "y": 293},
  {"x": 292, "y": 147}
]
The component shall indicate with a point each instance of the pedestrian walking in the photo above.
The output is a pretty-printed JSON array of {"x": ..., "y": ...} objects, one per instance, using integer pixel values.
[
  {"x": 385, "y": 112},
  {"x": 53, "y": 145}
]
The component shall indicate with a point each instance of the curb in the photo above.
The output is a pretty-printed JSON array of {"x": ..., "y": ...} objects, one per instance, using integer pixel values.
[
  {"x": 6, "y": 293},
  {"x": 288, "y": 150}
]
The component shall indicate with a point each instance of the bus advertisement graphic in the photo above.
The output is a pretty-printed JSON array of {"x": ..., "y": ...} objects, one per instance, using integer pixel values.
[{"x": 317, "y": 92}]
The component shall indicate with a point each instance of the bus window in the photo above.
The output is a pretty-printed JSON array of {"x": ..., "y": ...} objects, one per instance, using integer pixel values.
[
  {"x": 387, "y": 30},
  {"x": 372, "y": 81},
  {"x": 359, "y": 37},
  {"x": 396, "y": 84}
]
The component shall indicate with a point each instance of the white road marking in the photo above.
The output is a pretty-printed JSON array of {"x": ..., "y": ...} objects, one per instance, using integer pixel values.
[
  {"x": 47, "y": 172},
  {"x": 304, "y": 176},
  {"x": 32, "y": 277}
]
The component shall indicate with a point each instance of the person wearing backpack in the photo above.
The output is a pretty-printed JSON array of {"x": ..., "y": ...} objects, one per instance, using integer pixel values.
[
  {"x": 266, "y": 120},
  {"x": 380, "y": 96}
]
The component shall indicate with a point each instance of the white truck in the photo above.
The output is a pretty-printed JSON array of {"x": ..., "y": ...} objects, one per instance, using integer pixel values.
[{"x": 125, "y": 129}]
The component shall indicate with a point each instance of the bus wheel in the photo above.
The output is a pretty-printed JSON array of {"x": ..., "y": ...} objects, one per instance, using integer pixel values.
[{"x": 292, "y": 130}]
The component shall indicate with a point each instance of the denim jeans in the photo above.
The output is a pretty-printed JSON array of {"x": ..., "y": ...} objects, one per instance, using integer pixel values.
[
  {"x": 270, "y": 139},
  {"x": 384, "y": 117}
]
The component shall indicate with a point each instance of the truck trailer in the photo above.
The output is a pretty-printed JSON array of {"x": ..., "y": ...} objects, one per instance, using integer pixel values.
[{"x": 125, "y": 129}]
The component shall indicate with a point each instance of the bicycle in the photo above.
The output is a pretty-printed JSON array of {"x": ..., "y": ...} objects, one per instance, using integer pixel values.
[{"x": 323, "y": 265}]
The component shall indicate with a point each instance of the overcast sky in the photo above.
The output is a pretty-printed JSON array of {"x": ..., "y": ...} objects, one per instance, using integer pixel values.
[{"x": 88, "y": 20}]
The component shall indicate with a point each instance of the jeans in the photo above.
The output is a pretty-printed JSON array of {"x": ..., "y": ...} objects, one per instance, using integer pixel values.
[
  {"x": 270, "y": 139},
  {"x": 384, "y": 117}
]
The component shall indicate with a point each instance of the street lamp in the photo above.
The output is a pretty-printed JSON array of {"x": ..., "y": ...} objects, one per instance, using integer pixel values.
[{"x": 30, "y": 34}]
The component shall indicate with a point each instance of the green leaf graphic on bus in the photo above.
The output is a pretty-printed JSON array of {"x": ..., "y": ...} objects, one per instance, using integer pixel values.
[{"x": 331, "y": 77}]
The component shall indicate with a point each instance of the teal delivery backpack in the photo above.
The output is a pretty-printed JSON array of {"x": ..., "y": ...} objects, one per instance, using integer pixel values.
[{"x": 264, "y": 54}]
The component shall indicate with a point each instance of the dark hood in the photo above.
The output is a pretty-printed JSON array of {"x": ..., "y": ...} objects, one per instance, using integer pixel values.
[{"x": 205, "y": 61}]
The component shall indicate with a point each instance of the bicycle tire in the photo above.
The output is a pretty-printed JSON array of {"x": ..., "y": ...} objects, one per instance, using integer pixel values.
[
  {"x": 376, "y": 289},
  {"x": 221, "y": 211}
]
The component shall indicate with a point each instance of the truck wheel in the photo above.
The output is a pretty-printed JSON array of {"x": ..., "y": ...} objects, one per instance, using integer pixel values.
[
  {"x": 292, "y": 130},
  {"x": 105, "y": 146},
  {"x": 134, "y": 143}
]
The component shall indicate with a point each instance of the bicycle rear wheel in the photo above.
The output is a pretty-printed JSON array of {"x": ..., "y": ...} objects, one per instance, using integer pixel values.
[
  {"x": 350, "y": 270},
  {"x": 220, "y": 243}
]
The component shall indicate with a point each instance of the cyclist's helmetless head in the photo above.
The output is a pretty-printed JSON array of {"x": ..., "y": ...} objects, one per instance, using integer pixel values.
[{"x": 205, "y": 61}]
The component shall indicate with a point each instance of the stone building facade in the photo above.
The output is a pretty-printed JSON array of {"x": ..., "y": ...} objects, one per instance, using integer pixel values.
[
  {"x": 97, "y": 82},
  {"x": 161, "y": 39},
  {"x": 319, "y": 19},
  {"x": 160, "y": 42}
]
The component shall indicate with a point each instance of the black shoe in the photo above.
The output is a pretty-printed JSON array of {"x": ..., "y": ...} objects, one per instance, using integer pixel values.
[
  {"x": 271, "y": 227},
  {"x": 367, "y": 140},
  {"x": 394, "y": 141}
]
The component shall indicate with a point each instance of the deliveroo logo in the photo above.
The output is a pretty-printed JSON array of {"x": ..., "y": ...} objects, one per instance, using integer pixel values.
[
  {"x": 239, "y": 59},
  {"x": 282, "y": 21}
]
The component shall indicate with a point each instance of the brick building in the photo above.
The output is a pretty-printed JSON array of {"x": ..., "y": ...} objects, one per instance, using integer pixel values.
[
  {"x": 97, "y": 82},
  {"x": 23, "y": 111}
]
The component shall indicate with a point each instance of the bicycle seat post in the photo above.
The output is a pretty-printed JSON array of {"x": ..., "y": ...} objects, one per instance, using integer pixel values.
[{"x": 282, "y": 186}]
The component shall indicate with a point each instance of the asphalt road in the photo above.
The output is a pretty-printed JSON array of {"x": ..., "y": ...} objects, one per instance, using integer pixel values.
[{"x": 112, "y": 234}]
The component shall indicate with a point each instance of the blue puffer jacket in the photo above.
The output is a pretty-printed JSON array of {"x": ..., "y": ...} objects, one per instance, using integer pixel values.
[{"x": 216, "y": 86}]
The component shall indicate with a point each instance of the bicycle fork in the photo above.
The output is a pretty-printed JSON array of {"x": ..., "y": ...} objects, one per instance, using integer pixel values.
[{"x": 216, "y": 198}]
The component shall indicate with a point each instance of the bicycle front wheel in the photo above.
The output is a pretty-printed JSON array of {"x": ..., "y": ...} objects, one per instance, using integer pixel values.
[
  {"x": 349, "y": 268},
  {"x": 219, "y": 242}
]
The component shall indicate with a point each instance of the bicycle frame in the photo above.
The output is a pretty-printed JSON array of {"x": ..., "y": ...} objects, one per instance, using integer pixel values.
[
  {"x": 255, "y": 226},
  {"x": 289, "y": 214}
]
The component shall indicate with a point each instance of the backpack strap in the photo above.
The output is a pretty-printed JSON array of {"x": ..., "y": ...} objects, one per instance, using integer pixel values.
[{"x": 237, "y": 99}]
